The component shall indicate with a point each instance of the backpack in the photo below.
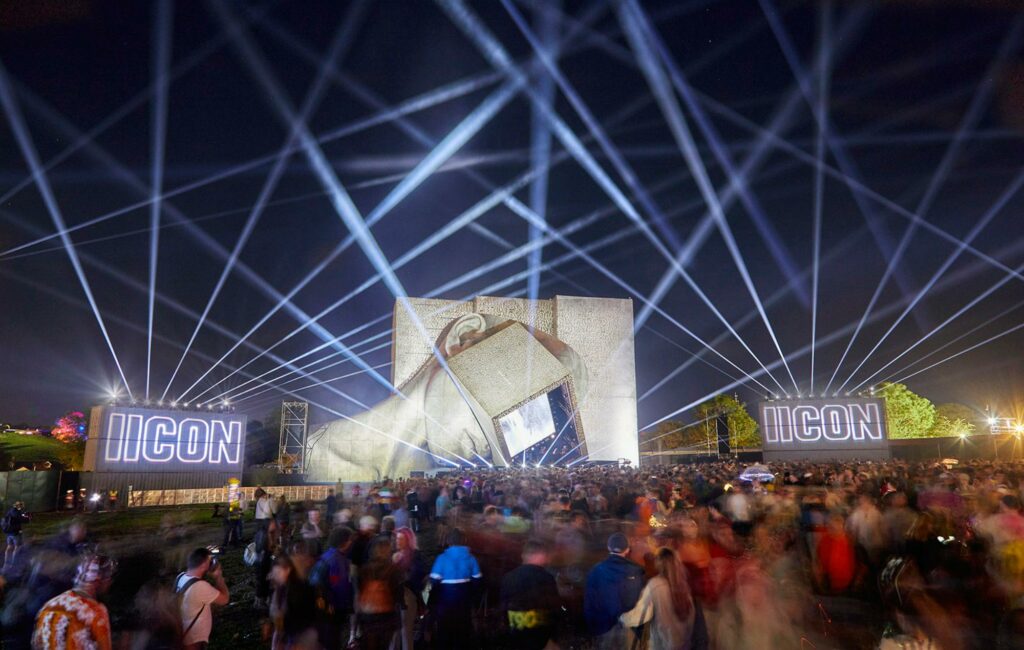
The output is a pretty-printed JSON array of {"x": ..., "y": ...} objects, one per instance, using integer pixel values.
[{"x": 6, "y": 523}]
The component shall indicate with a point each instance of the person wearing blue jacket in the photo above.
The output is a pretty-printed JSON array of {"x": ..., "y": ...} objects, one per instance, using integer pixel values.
[
  {"x": 454, "y": 588},
  {"x": 613, "y": 587}
]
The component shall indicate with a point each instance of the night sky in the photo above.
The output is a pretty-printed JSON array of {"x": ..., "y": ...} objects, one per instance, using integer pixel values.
[{"x": 915, "y": 89}]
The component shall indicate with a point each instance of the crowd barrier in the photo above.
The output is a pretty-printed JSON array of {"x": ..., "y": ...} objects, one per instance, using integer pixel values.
[{"x": 200, "y": 496}]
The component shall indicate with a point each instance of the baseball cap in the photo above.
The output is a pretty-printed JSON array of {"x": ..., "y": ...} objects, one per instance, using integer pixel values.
[{"x": 617, "y": 543}]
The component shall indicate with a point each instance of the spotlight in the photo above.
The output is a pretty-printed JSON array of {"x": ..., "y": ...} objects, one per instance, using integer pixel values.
[
  {"x": 992, "y": 422},
  {"x": 174, "y": 405},
  {"x": 1018, "y": 428}
]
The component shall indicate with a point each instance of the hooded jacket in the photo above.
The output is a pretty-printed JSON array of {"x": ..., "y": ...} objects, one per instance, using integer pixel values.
[{"x": 613, "y": 588}]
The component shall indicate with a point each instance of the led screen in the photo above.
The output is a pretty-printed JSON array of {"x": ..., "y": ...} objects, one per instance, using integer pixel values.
[
  {"x": 839, "y": 428},
  {"x": 527, "y": 425},
  {"x": 131, "y": 439}
]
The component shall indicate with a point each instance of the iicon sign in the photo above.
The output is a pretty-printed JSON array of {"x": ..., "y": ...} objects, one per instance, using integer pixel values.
[
  {"x": 836, "y": 428},
  {"x": 132, "y": 439}
]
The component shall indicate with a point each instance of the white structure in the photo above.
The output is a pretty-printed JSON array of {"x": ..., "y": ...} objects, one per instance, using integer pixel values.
[{"x": 493, "y": 370}]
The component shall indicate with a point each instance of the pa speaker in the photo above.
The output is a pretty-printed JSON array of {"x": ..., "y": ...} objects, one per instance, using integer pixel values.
[{"x": 722, "y": 427}]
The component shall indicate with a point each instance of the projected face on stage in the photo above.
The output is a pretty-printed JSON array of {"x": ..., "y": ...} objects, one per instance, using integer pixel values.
[{"x": 506, "y": 395}]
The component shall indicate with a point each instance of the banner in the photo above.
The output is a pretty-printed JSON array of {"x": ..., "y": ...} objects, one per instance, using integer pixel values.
[
  {"x": 839, "y": 428},
  {"x": 132, "y": 439}
]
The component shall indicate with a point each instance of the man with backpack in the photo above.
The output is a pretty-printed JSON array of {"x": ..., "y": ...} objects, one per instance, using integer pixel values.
[
  {"x": 11, "y": 524},
  {"x": 196, "y": 596}
]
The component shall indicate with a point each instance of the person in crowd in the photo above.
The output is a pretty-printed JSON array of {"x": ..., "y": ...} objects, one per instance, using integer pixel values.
[
  {"x": 234, "y": 516},
  {"x": 378, "y": 598},
  {"x": 11, "y": 524},
  {"x": 311, "y": 531},
  {"x": 442, "y": 505},
  {"x": 408, "y": 558},
  {"x": 200, "y": 587},
  {"x": 530, "y": 600},
  {"x": 837, "y": 562},
  {"x": 283, "y": 519},
  {"x": 612, "y": 589},
  {"x": 332, "y": 577},
  {"x": 455, "y": 581},
  {"x": 330, "y": 506},
  {"x": 415, "y": 509},
  {"x": 665, "y": 605},
  {"x": 265, "y": 508},
  {"x": 368, "y": 528},
  {"x": 75, "y": 619},
  {"x": 293, "y": 609}
]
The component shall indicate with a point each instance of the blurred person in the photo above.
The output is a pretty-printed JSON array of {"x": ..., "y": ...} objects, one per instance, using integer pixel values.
[
  {"x": 361, "y": 545},
  {"x": 530, "y": 600},
  {"x": 665, "y": 603},
  {"x": 283, "y": 519},
  {"x": 738, "y": 507},
  {"x": 292, "y": 608},
  {"x": 408, "y": 558},
  {"x": 455, "y": 584},
  {"x": 400, "y": 514},
  {"x": 836, "y": 565},
  {"x": 200, "y": 587},
  {"x": 159, "y": 625},
  {"x": 332, "y": 576},
  {"x": 330, "y": 506},
  {"x": 612, "y": 589},
  {"x": 75, "y": 619},
  {"x": 234, "y": 516},
  {"x": 442, "y": 505},
  {"x": 11, "y": 525},
  {"x": 311, "y": 532},
  {"x": 866, "y": 527},
  {"x": 262, "y": 561},
  {"x": 379, "y": 597},
  {"x": 415, "y": 508},
  {"x": 265, "y": 508}
]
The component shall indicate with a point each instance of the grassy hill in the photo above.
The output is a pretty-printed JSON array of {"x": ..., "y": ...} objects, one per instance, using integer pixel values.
[{"x": 37, "y": 448}]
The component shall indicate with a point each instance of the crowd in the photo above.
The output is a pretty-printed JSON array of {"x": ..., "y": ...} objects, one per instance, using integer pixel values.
[{"x": 798, "y": 555}]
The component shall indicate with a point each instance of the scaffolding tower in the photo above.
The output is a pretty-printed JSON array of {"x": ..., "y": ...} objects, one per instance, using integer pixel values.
[{"x": 291, "y": 453}]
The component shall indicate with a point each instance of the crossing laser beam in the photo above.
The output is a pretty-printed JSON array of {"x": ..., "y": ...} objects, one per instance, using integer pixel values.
[{"x": 28, "y": 151}]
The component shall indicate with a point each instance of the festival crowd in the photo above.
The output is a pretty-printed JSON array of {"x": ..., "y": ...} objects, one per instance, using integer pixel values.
[{"x": 717, "y": 555}]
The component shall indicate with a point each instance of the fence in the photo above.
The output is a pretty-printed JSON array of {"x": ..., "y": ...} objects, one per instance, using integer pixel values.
[
  {"x": 37, "y": 489},
  {"x": 198, "y": 496}
]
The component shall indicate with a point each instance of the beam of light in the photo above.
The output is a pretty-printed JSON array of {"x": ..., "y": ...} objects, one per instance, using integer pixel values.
[
  {"x": 836, "y": 252},
  {"x": 651, "y": 39},
  {"x": 163, "y": 30},
  {"x": 280, "y": 380},
  {"x": 962, "y": 352},
  {"x": 468, "y": 217},
  {"x": 953, "y": 341},
  {"x": 197, "y": 56},
  {"x": 657, "y": 437},
  {"x": 204, "y": 239},
  {"x": 974, "y": 112},
  {"x": 758, "y": 154},
  {"x": 960, "y": 312},
  {"x": 951, "y": 281},
  {"x": 322, "y": 382},
  {"x": 420, "y": 103},
  {"x": 28, "y": 151},
  {"x": 824, "y": 48},
  {"x": 764, "y": 226},
  {"x": 493, "y": 51},
  {"x": 540, "y": 157},
  {"x": 545, "y": 54},
  {"x": 995, "y": 209},
  {"x": 640, "y": 37},
  {"x": 852, "y": 183},
  {"x": 339, "y": 45},
  {"x": 340, "y": 200},
  {"x": 511, "y": 256}
]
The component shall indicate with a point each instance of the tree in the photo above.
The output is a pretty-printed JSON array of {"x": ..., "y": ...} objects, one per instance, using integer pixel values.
[
  {"x": 945, "y": 427},
  {"x": 955, "y": 411},
  {"x": 742, "y": 428},
  {"x": 71, "y": 427},
  {"x": 909, "y": 415},
  {"x": 673, "y": 434}
]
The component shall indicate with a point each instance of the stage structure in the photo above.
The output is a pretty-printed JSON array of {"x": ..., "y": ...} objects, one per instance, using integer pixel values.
[
  {"x": 291, "y": 450},
  {"x": 823, "y": 429},
  {"x": 507, "y": 393}
]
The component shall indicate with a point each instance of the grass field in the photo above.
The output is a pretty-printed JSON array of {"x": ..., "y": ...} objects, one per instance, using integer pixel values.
[{"x": 38, "y": 448}]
